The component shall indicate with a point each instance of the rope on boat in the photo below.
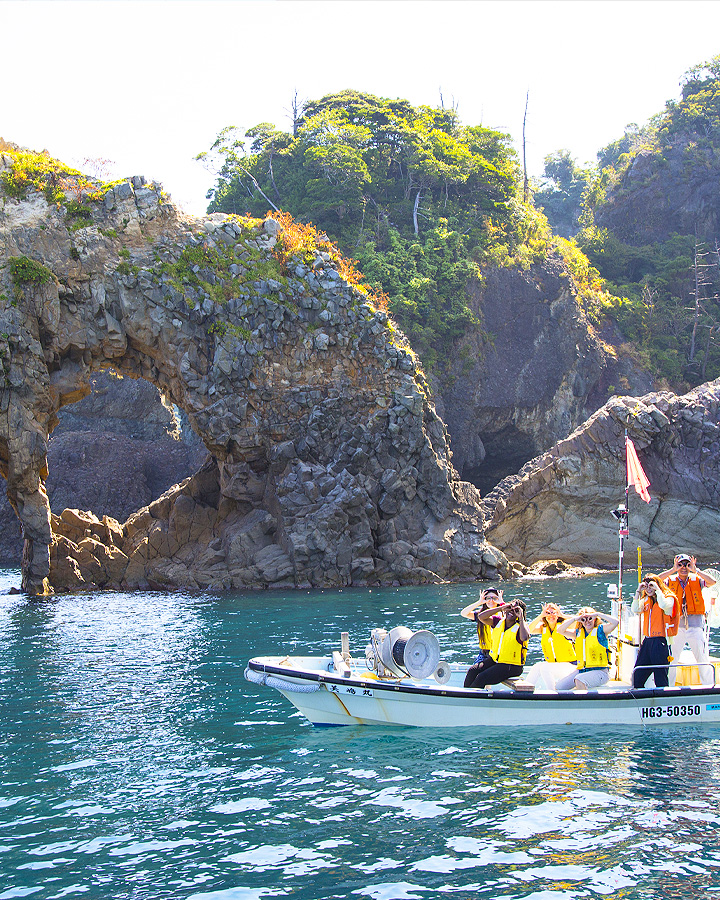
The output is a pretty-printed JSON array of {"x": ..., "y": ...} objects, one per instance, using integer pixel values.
[{"x": 279, "y": 683}]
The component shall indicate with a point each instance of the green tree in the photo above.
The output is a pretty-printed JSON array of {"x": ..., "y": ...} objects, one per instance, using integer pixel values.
[
  {"x": 414, "y": 195},
  {"x": 560, "y": 195}
]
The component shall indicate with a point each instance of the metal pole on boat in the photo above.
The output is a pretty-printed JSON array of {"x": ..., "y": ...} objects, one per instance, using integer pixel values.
[
  {"x": 624, "y": 528},
  {"x": 621, "y": 514}
]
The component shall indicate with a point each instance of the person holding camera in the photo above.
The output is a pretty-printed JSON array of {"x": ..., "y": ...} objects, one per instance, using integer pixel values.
[
  {"x": 509, "y": 640},
  {"x": 686, "y": 582},
  {"x": 654, "y": 602}
]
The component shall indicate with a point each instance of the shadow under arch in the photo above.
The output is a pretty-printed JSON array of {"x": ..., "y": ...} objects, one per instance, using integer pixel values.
[{"x": 328, "y": 463}]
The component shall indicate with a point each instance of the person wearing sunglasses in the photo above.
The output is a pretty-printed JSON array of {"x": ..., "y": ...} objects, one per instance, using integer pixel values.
[
  {"x": 559, "y": 652},
  {"x": 654, "y": 602},
  {"x": 591, "y": 647},
  {"x": 686, "y": 582},
  {"x": 509, "y": 640}
]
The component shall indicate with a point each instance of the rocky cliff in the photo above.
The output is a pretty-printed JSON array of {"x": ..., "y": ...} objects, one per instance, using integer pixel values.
[
  {"x": 114, "y": 451},
  {"x": 664, "y": 193},
  {"x": 535, "y": 374},
  {"x": 328, "y": 463},
  {"x": 560, "y": 504}
]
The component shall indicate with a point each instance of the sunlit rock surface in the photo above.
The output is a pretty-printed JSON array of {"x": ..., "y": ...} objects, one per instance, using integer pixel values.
[
  {"x": 560, "y": 503},
  {"x": 328, "y": 464}
]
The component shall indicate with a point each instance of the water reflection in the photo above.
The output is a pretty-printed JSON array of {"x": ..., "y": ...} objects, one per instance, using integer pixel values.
[{"x": 137, "y": 763}]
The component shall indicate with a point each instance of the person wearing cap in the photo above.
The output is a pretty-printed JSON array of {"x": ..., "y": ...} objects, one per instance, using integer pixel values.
[
  {"x": 509, "y": 645},
  {"x": 655, "y": 602},
  {"x": 686, "y": 582},
  {"x": 490, "y": 598}
]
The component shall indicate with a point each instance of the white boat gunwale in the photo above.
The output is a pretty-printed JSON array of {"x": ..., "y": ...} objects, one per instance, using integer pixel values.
[{"x": 611, "y": 694}]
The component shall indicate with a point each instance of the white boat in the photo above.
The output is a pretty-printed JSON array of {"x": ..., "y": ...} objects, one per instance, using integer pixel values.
[
  {"x": 338, "y": 690},
  {"x": 402, "y": 680}
]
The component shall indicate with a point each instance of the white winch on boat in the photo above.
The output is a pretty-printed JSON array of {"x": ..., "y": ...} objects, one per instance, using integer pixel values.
[{"x": 401, "y": 652}]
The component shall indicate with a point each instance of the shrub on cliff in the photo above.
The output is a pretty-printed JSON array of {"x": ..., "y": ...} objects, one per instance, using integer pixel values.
[
  {"x": 649, "y": 223},
  {"x": 417, "y": 198}
]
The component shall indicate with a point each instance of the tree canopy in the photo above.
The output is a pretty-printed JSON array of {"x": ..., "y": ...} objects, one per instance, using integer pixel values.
[{"x": 411, "y": 193}]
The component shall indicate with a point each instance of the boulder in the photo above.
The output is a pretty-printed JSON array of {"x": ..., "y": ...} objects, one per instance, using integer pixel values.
[{"x": 560, "y": 504}]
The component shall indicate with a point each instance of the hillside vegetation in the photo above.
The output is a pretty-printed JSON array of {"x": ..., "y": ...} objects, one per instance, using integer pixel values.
[
  {"x": 422, "y": 202},
  {"x": 648, "y": 218}
]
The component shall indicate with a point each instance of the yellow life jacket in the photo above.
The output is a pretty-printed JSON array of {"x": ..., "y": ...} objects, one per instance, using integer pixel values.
[
  {"x": 590, "y": 652},
  {"x": 506, "y": 648},
  {"x": 484, "y": 633},
  {"x": 556, "y": 647}
]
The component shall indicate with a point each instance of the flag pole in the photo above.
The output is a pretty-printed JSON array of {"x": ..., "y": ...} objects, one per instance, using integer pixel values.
[
  {"x": 635, "y": 475},
  {"x": 624, "y": 528},
  {"x": 621, "y": 514}
]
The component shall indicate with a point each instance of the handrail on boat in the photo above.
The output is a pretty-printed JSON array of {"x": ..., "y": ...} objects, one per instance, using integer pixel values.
[{"x": 679, "y": 665}]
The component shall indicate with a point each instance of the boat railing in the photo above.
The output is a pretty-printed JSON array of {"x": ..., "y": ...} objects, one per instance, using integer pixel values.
[{"x": 682, "y": 665}]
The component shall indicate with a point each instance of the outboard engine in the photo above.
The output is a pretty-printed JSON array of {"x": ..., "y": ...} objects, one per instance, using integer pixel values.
[{"x": 402, "y": 652}]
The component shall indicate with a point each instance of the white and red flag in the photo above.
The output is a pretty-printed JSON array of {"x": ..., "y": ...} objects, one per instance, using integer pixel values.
[{"x": 635, "y": 473}]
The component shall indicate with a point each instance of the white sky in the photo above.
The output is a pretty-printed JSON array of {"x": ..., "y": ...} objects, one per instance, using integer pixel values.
[{"x": 150, "y": 84}]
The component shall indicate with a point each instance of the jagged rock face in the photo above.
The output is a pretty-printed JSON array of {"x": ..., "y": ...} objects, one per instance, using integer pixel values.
[
  {"x": 664, "y": 194},
  {"x": 560, "y": 504},
  {"x": 537, "y": 374},
  {"x": 114, "y": 451},
  {"x": 328, "y": 463}
]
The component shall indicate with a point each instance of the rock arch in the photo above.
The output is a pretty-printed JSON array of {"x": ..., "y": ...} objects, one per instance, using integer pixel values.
[{"x": 328, "y": 462}]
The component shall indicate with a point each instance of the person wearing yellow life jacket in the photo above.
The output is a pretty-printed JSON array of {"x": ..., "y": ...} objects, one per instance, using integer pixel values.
[
  {"x": 686, "y": 582},
  {"x": 559, "y": 652},
  {"x": 490, "y": 598},
  {"x": 591, "y": 647},
  {"x": 655, "y": 602},
  {"x": 509, "y": 645}
]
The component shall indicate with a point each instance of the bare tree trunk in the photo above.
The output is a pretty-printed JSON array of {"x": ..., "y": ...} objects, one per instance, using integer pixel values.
[
  {"x": 259, "y": 189},
  {"x": 410, "y": 184},
  {"x": 415, "y": 209},
  {"x": 526, "y": 186},
  {"x": 700, "y": 283},
  {"x": 362, "y": 223},
  {"x": 272, "y": 180},
  {"x": 295, "y": 106},
  {"x": 707, "y": 350}
]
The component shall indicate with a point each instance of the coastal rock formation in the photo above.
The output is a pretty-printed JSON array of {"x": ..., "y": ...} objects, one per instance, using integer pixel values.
[
  {"x": 114, "y": 451},
  {"x": 328, "y": 463},
  {"x": 560, "y": 503},
  {"x": 537, "y": 373}
]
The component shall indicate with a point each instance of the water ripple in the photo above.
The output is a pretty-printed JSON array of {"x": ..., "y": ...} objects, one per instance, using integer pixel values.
[{"x": 137, "y": 763}]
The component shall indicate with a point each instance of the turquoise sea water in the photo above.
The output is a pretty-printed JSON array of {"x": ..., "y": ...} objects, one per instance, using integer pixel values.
[{"x": 138, "y": 763}]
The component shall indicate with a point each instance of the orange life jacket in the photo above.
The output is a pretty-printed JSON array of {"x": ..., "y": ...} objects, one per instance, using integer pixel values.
[
  {"x": 693, "y": 595},
  {"x": 656, "y": 622}
]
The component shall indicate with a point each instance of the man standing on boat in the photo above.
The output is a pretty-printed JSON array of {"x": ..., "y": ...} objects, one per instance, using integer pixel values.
[{"x": 686, "y": 582}]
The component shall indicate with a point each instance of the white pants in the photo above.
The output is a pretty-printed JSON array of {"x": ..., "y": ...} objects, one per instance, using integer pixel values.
[
  {"x": 548, "y": 673},
  {"x": 695, "y": 639},
  {"x": 589, "y": 679}
]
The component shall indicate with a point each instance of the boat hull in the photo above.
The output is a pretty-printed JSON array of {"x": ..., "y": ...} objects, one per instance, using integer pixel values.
[{"x": 325, "y": 697}]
